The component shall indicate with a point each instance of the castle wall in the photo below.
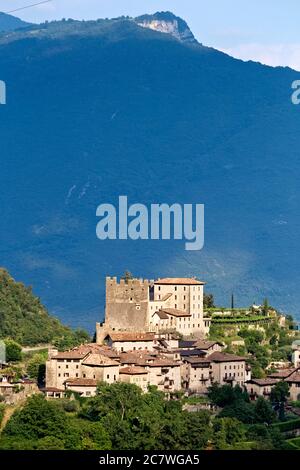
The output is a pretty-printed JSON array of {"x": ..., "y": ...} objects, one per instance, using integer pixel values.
[{"x": 126, "y": 304}]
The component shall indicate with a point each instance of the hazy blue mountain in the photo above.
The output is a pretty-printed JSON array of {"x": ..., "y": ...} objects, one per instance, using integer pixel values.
[
  {"x": 10, "y": 23},
  {"x": 101, "y": 109}
]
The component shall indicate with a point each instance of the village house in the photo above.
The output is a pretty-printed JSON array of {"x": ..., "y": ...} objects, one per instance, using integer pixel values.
[
  {"x": 260, "y": 387},
  {"x": 296, "y": 353},
  {"x": 79, "y": 363},
  {"x": 294, "y": 383},
  {"x": 228, "y": 368},
  {"x": 135, "y": 375}
]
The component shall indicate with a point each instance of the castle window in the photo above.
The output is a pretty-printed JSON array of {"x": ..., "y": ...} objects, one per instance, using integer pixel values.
[
  {"x": 175, "y": 305},
  {"x": 184, "y": 288},
  {"x": 183, "y": 305},
  {"x": 158, "y": 287},
  {"x": 107, "y": 376},
  {"x": 130, "y": 299},
  {"x": 175, "y": 297},
  {"x": 76, "y": 375},
  {"x": 175, "y": 287}
]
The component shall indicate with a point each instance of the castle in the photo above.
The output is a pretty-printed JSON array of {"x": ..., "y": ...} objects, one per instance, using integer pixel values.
[{"x": 164, "y": 305}]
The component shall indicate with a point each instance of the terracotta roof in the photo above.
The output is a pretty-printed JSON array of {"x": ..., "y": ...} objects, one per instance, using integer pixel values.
[
  {"x": 263, "y": 382},
  {"x": 51, "y": 389},
  {"x": 97, "y": 348},
  {"x": 203, "y": 344},
  {"x": 200, "y": 361},
  {"x": 294, "y": 378},
  {"x": 127, "y": 336},
  {"x": 81, "y": 382},
  {"x": 282, "y": 373},
  {"x": 174, "y": 312},
  {"x": 162, "y": 363},
  {"x": 185, "y": 281},
  {"x": 162, "y": 315},
  {"x": 225, "y": 357},
  {"x": 70, "y": 355},
  {"x": 133, "y": 370},
  {"x": 99, "y": 360},
  {"x": 137, "y": 357}
]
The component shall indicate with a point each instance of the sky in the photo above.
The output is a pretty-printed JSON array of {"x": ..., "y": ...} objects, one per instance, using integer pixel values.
[{"x": 263, "y": 30}]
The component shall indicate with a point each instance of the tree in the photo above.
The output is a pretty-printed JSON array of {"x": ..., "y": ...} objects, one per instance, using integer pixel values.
[
  {"x": 224, "y": 395},
  {"x": 279, "y": 395},
  {"x": 38, "y": 419},
  {"x": 240, "y": 410},
  {"x": 208, "y": 301},
  {"x": 13, "y": 351},
  {"x": 280, "y": 392},
  {"x": 122, "y": 399},
  {"x": 36, "y": 367},
  {"x": 232, "y": 302},
  {"x": 266, "y": 307},
  {"x": 227, "y": 432},
  {"x": 263, "y": 411}
]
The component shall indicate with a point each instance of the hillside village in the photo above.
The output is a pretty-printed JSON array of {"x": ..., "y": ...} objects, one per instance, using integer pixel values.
[
  {"x": 155, "y": 333},
  {"x": 166, "y": 335}
]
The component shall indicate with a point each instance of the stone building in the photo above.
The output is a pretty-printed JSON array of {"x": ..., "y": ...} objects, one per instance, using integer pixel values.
[
  {"x": 83, "y": 363},
  {"x": 164, "y": 305}
]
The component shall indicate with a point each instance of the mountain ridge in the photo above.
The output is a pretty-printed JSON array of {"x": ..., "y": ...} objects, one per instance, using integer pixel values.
[
  {"x": 10, "y": 23},
  {"x": 184, "y": 125}
]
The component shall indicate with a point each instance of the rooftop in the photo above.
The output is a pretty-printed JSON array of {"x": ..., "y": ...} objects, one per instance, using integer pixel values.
[
  {"x": 70, "y": 355},
  {"x": 99, "y": 360},
  {"x": 294, "y": 378},
  {"x": 82, "y": 382},
  {"x": 174, "y": 312},
  {"x": 282, "y": 373},
  {"x": 203, "y": 344},
  {"x": 185, "y": 281},
  {"x": 162, "y": 315},
  {"x": 127, "y": 336},
  {"x": 225, "y": 357},
  {"x": 133, "y": 371},
  {"x": 263, "y": 382}
]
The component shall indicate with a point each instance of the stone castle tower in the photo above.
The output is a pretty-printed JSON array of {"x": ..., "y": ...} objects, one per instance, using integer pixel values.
[{"x": 126, "y": 307}]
